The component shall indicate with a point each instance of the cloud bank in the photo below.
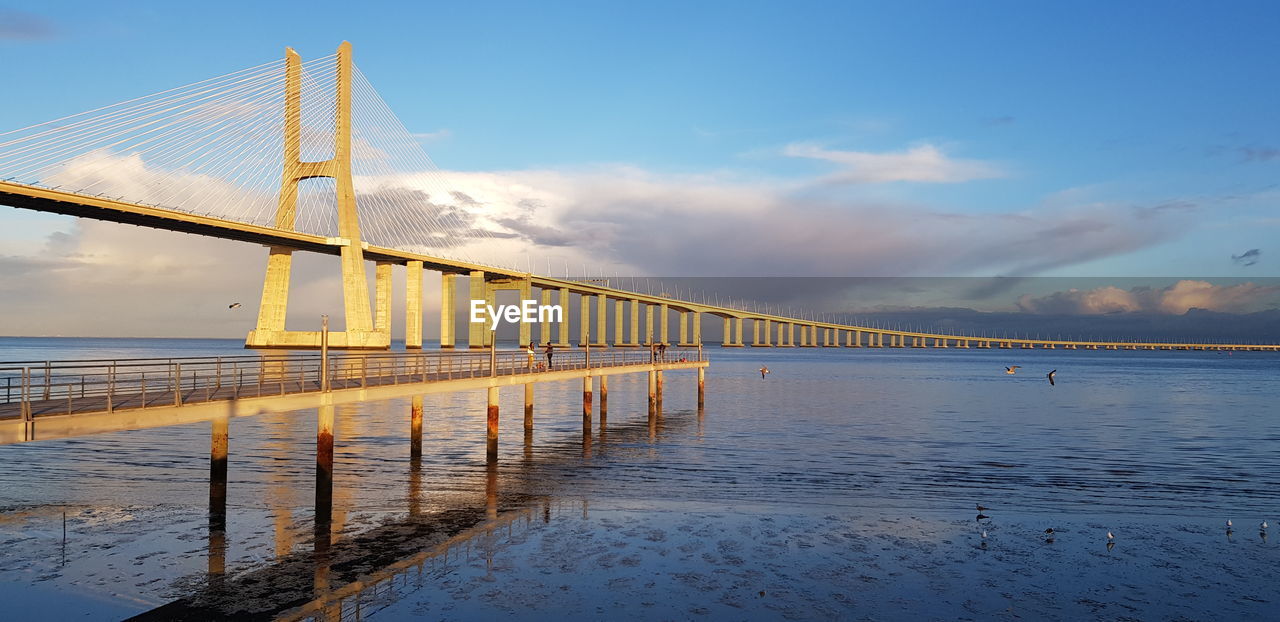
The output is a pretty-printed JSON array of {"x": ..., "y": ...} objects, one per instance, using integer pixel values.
[{"x": 1175, "y": 299}]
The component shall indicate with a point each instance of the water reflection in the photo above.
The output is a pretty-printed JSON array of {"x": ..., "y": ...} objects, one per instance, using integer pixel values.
[{"x": 319, "y": 583}]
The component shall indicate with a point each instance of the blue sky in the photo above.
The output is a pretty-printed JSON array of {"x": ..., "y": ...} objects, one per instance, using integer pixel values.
[{"x": 1154, "y": 110}]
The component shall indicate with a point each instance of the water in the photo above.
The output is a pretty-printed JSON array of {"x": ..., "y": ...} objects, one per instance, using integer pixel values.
[{"x": 843, "y": 486}]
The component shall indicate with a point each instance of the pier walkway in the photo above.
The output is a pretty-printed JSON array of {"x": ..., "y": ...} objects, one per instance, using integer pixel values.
[{"x": 58, "y": 399}]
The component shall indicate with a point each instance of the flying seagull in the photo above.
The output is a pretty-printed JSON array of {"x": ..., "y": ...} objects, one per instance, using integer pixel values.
[
  {"x": 234, "y": 305},
  {"x": 1012, "y": 369},
  {"x": 1051, "y": 374},
  {"x": 763, "y": 371}
]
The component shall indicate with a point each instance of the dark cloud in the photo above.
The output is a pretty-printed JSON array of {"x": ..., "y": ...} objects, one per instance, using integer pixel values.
[
  {"x": 20, "y": 26},
  {"x": 1175, "y": 299},
  {"x": 1259, "y": 154},
  {"x": 1248, "y": 258}
]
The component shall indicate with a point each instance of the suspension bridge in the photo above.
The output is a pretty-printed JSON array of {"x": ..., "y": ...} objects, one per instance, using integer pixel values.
[{"x": 307, "y": 157}]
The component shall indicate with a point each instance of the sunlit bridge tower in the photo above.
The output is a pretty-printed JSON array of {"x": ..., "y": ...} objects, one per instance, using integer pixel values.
[{"x": 360, "y": 331}]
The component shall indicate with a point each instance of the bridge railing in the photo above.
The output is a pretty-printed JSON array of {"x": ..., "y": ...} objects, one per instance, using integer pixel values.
[{"x": 33, "y": 388}]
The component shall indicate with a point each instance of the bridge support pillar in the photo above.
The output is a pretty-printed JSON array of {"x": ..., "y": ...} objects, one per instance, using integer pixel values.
[
  {"x": 448, "y": 310},
  {"x": 544, "y": 328},
  {"x": 697, "y": 328},
  {"x": 563, "y": 326},
  {"x": 479, "y": 290},
  {"x": 413, "y": 305},
  {"x": 415, "y": 427},
  {"x": 382, "y": 298},
  {"x": 619, "y": 338},
  {"x": 526, "y": 331},
  {"x": 584, "y": 320},
  {"x": 663, "y": 314},
  {"x": 491, "y": 420},
  {"x": 634, "y": 318},
  {"x": 648, "y": 324},
  {"x": 755, "y": 333},
  {"x": 682, "y": 318},
  {"x": 602, "y": 321},
  {"x": 737, "y": 332}
]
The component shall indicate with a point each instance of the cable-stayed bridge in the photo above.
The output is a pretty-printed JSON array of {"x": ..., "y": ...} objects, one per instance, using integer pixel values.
[{"x": 305, "y": 156}]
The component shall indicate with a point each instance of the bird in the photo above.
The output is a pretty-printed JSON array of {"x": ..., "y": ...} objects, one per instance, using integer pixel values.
[
  {"x": 1051, "y": 375},
  {"x": 763, "y": 371},
  {"x": 1012, "y": 369},
  {"x": 1263, "y": 525},
  {"x": 982, "y": 517},
  {"x": 234, "y": 305},
  {"x": 984, "y": 534},
  {"x": 982, "y": 508},
  {"x": 1049, "y": 531},
  {"x": 1110, "y": 536},
  {"x": 1228, "y": 523}
]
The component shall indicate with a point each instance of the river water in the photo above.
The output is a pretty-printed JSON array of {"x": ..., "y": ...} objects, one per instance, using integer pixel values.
[{"x": 844, "y": 485}]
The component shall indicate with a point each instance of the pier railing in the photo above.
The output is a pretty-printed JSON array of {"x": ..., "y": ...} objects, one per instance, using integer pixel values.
[{"x": 29, "y": 389}]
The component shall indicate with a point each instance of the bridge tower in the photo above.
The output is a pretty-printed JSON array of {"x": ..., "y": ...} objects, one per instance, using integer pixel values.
[{"x": 360, "y": 331}]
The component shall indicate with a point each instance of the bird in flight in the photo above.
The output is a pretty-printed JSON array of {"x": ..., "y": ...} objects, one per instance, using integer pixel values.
[
  {"x": 1051, "y": 375},
  {"x": 1012, "y": 369},
  {"x": 234, "y": 305},
  {"x": 763, "y": 371}
]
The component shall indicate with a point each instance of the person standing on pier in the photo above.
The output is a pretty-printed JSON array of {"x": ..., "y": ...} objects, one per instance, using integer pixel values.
[
  {"x": 549, "y": 351},
  {"x": 530, "y": 349}
]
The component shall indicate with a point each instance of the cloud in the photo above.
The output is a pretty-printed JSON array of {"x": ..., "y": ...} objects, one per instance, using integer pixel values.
[
  {"x": 1175, "y": 299},
  {"x": 1259, "y": 154},
  {"x": 21, "y": 26},
  {"x": 442, "y": 134},
  {"x": 1249, "y": 257},
  {"x": 925, "y": 163}
]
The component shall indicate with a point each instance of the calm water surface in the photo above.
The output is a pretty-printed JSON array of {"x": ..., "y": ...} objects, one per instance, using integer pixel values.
[{"x": 843, "y": 486}]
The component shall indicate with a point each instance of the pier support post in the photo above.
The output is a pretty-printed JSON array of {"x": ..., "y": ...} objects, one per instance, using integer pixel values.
[
  {"x": 659, "y": 391},
  {"x": 324, "y": 476},
  {"x": 528, "y": 406},
  {"x": 702, "y": 386},
  {"x": 415, "y": 427},
  {"x": 491, "y": 445},
  {"x": 586, "y": 404},
  {"x": 448, "y": 310},
  {"x": 653, "y": 392},
  {"x": 218, "y": 497},
  {"x": 604, "y": 398}
]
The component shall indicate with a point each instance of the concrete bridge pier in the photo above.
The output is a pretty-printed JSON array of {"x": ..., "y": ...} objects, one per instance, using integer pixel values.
[
  {"x": 602, "y": 322},
  {"x": 491, "y": 445},
  {"x": 413, "y": 305},
  {"x": 448, "y": 311}
]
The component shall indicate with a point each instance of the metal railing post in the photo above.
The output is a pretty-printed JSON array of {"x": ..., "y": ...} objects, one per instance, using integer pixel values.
[{"x": 177, "y": 383}]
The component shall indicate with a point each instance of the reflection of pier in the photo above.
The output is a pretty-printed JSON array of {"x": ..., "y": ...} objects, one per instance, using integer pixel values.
[{"x": 339, "y": 580}]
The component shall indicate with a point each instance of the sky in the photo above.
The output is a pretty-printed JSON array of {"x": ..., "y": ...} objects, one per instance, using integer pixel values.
[{"x": 1088, "y": 140}]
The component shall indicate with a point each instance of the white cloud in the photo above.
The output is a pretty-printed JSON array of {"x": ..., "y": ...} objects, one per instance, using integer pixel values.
[{"x": 924, "y": 163}]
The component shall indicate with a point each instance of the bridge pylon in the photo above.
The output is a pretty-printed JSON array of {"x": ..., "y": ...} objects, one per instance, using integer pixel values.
[{"x": 360, "y": 331}]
